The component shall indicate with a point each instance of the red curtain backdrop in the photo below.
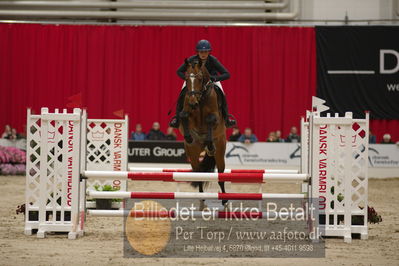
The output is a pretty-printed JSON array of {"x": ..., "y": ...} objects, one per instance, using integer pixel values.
[{"x": 132, "y": 69}]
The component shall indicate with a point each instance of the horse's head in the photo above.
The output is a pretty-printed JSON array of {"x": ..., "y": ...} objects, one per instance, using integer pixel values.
[{"x": 197, "y": 80}]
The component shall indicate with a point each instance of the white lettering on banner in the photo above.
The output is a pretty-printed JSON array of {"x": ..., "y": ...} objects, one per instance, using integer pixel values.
[
  {"x": 139, "y": 152},
  {"x": 393, "y": 87},
  {"x": 383, "y": 69},
  {"x": 158, "y": 151}
]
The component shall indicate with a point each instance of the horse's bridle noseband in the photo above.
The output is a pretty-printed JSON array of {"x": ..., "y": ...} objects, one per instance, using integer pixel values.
[{"x": 204, "y": 87}]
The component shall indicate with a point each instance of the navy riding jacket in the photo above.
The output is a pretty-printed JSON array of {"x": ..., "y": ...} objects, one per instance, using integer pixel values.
[{"x": 217, "y": 71}]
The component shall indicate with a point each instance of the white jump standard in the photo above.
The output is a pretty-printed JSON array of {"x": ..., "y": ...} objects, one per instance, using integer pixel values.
[{"x": 334, "y": 161}]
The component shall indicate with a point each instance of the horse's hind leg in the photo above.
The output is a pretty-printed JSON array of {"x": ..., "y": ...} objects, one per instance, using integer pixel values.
[
  {"x": 220, "y": 163},
  {"x": 211, "y": 120}
]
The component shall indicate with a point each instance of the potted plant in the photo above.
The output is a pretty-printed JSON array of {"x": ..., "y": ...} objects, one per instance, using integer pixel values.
[{"x": 105, "y": 204}]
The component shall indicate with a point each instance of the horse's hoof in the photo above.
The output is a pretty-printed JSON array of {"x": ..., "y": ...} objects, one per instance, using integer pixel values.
[
  {"x": 188, "y": 139},
  {"x": 224, "y": 202},
  {"x": 202, "y": 205}
]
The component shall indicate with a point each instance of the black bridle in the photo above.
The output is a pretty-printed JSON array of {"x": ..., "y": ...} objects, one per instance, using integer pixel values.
[{"x": 205, "y": 86}]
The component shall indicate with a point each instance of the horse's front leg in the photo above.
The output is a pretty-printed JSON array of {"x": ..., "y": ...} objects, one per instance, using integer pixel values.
[
  {"x": 184, "y": 115},
  {"x": 210, "y": 120}
]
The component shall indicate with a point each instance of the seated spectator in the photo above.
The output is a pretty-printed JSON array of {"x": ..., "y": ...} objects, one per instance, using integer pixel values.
[
  {"x": 235, "y": 135},
  {"x": 138, "y": 134},
  {"x": 386, "y": 139},
  {"x": 372, "y": 138},
  {"x": 293, "y": 136},
  {"x": 170, "y": 134},
  {"x": 248, "y": 137},
  {"x": 7, "y": 132},
  {"x": 14, "y": 135},
  {"x": 271, "y": 137},
  {"x": 278, "y": 136},
  {"x": 155, "y": 132}
]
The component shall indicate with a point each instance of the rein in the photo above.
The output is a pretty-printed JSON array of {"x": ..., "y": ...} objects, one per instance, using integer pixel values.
[{"x": 204, "y": 91}]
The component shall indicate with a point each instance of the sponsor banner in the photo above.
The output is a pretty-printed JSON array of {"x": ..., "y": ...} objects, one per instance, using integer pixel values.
[
  {"x": 261, "y": 153},
  {"x": 358, "y": 69},
  {"x": 156, "y": 152},
  {"x": 384, "y": 155}
]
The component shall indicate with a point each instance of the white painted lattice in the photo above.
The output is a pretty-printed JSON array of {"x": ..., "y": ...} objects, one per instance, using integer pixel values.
[
  {"x": 106, "y": 145},
  {"x": 339, "y": 147},
  {"x": 32, "y": 190},
  {"x": 54, "y": 186},
  {"x": 60, "y": 173}
]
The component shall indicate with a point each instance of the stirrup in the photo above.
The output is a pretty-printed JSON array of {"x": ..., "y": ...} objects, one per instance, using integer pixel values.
[{"x": 174, "y": 122}]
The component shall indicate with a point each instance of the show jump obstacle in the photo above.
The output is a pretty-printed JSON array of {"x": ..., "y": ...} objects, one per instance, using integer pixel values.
[
  {"x": 333, "y": 168},
  {"x": 53, "y": 141}
]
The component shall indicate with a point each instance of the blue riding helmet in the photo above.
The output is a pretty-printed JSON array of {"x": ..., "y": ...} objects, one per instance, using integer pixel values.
[{"x": 203, "y": 45}]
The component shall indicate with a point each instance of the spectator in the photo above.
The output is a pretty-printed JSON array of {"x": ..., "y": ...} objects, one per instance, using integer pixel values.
[
  {"x": 293, "y": 136},
  {"x": 170, "y": 134},
  {"x": 155, "y": 132},
  {"x": 7, "y": 132},
  {"x": 235, "y": 135},
  {"x": 248, "y": 137},
  {"x": 23, "y": 134},
  {"x": 271, "y": 137},
  {"x": 372, "y": 138},
  {"x": 139, "y": 134},
  {"x": 278, "y": 136},
  {"x": 14, "y": 135},
  {"x": 386, "y": 139}
]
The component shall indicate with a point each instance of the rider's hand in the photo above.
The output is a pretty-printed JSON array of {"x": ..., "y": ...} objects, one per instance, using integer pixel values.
[{"x": 213, "y": 78}]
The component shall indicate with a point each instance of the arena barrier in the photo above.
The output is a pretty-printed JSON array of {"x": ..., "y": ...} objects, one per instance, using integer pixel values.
[
  {"x": 99, "y": 155},
  {"x": 335, "y": 158}
]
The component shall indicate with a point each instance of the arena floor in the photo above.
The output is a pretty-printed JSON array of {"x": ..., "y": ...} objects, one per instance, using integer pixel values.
[{"x": 102, "y": 244}]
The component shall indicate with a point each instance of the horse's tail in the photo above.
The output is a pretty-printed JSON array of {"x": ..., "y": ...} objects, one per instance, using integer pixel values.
[{"x": 207, "y": 165}]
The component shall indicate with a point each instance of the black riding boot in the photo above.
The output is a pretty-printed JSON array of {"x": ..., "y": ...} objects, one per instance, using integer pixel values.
[
  {"x": 228, "y": 118},
  {"x": 179, "y": 107}
]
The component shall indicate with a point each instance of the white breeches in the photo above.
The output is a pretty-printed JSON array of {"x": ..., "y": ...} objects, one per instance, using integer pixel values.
[{"x": 217, "y": 83}]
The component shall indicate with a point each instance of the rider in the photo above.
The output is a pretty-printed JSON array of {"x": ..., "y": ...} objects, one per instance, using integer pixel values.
[{"x": 218, "y": 73}]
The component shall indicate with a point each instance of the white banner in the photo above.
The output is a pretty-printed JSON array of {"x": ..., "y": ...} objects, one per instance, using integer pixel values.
[
  {"x": 288, "y": 154},
  {"x": 263, "y": 153},
  {"x": 383, "y": 155}
]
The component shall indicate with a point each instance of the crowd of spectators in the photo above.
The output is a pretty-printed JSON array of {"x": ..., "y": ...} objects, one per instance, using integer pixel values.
[
  {"x": 292, "y": 137},
  {"x": 248, "y": 136},
  {"x": 274, "y": 136},
  {"x": 11, "y": 133},
  {"x": 386, "y": 138},
  {"x": 155, "y": 133}
]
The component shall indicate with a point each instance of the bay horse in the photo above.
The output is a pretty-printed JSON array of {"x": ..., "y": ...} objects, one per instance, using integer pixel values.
[{"x": 202, "y": 124}]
